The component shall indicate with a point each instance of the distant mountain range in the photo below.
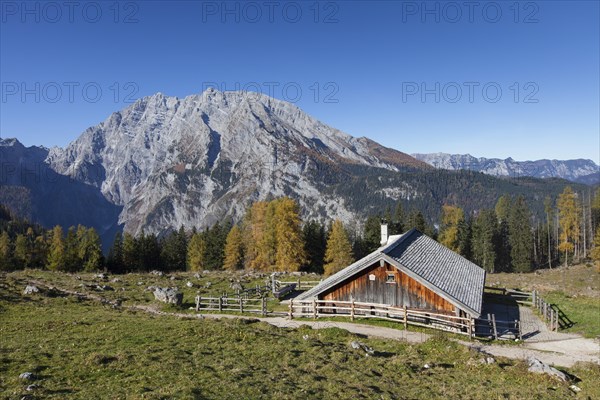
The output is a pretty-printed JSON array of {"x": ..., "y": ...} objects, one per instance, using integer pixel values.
[
  {"x": 164, "y": 162},
  {"x": 582, "y": 171}
]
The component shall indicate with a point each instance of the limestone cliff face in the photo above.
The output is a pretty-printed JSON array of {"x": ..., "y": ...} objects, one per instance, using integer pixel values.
[{"x": 170, "y": 162}]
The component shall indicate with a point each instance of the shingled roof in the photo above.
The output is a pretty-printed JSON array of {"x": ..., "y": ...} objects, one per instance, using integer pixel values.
[{"x": 440, "y": 269}]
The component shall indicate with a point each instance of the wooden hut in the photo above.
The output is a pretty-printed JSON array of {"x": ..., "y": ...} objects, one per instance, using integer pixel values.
[{"x": 409, "y": 270}]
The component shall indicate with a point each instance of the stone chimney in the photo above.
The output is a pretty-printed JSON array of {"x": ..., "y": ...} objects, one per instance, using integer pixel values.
[{"x": 384, "y": 233}]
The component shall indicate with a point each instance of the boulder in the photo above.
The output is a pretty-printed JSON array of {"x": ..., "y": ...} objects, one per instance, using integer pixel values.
[
  {"x": 189, "y": 284},
  {"x": 31, "y": 289},
  {"x": 538, "y": 367},
  {"x": 168, "y": 295},
  {"x": 359, "y": 345},
  {"x": 27, "y": 376},
  {"x": 102, "y": 276},
  {"x": 237, "y": 286},
  {"x": 157, "y": 273}
]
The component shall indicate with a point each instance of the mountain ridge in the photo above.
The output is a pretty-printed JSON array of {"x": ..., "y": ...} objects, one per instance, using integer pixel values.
[
  {"x": 576, "y": 170},
  {"x": 165, "y": 162}
]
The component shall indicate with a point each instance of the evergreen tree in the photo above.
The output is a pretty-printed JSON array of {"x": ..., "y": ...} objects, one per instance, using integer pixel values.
[
  {"x": 568, "y": 213},
  {"x": 130, "y": 253},
  {"x": 503, "y": 206},
  {"x": 234, "y": 250},
  {"x": 215, "y": 239},
  {"x": 398, "y": 220},
  {"x": 416, "y": 220},
  {"x": 114, "y": 261},
  {"x": 290, "y": 252},
  {"x": 149, "y": 252},
  {"x": 39, "y": 252},
  {"x": 56, "y": 254},
  {"x": 195, "y": 252},
  {"x": 372, "y": 236},
  {"x": 485, "y": 232},
  {"x": 173, "y": 251},
  {"x": 5, "y": 252},
  {"x": 452, "y": 218},
  {"x": 519, "y": 235},
  {"x": 339, "y": 252},
  {"x": 315, "y": 242},
  {"x": 22, "y": 252},
  {"x": 504, "y": 263}
]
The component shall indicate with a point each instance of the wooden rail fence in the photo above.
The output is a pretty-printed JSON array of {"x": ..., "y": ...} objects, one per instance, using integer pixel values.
[
  {"x": 552, "y": 315},
  {"x": 239, "y": 304},
  {"x": 354, "y": 309}
]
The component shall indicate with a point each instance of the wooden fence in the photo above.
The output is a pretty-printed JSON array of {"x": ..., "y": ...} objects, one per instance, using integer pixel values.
[
  {"x": 551, "y": 314},
  {"x": 354, "y": 309},
  {"x": 239, "y": 304},
  {"x": 300, "y": 285},
  {"x": 498, "y": 329}
]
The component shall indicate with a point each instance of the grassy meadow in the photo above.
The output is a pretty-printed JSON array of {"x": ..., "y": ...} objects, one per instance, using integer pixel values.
[{"x": 83, "y": 349}]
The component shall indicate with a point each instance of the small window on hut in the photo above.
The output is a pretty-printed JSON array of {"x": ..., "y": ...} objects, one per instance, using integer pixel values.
[{"x": 391, "y": 278}]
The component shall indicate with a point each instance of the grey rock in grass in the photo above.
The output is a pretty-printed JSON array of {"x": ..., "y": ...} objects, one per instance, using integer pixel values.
[
  {"x": 31, "y": 289},
  {"x": 189, "y": 284},
  {"x": 27, "y": 376},
  {"x": 168, "y": 295},
  {"x": 207, "y": 285},
  {"x": 237, "y": 286},
  {"x": 157, "y": 273},
  {"x": 538, "y": 367},
  {"x": 102, "y": 276},
  {"x": 359, "y": 345},
  {"x": 31, "y": 387}
]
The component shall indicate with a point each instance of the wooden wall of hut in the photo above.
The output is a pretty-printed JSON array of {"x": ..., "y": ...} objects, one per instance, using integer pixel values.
[{"x": 375, "y": 285}]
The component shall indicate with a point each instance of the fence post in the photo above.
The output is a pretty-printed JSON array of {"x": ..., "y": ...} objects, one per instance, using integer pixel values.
[
  {"x": 264, "y": 306},
  {"x": 220, "y": 304},
  {"x": 494, "y": 326},
  {"x": 298, "y": 284},
  {"x": 518, "y": 325},
  {"x": 315, "y": 311},
  {"x": 533, "y": 297},
  {"x": 352, "y": 310},
  {"x": 198, "y": 300},
  {"x": 291, "y": 313},
  {"x": 405, "y": 318},
  {"x": 551, "y": 319},
  {"x": 544, "y": 311},
  {"x": 471, "y": 324},
  {"x": 241, "y": 305}
]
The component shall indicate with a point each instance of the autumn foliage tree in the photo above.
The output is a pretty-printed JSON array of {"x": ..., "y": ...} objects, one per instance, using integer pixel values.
[
  {"x": 452, "y": 218},
  {"x": 234, "y": 250},
  {"x": 568, "y": 217},
  {"x": 339, "y": 250}
]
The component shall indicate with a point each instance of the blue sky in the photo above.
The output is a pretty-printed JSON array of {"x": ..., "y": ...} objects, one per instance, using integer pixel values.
[{"x": 493, "y": 79}]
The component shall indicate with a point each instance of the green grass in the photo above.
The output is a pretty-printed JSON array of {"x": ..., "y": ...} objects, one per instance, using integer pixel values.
[
  {"x": 84, "y": 350},
  {"x": 583, "y": 311},
  {"x": 575, "y": 290}
]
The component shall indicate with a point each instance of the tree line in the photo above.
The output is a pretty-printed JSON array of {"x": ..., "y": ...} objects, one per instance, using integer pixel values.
[
  {"x": 25, "y": 245},
  {"x": 271, "y": 236}
]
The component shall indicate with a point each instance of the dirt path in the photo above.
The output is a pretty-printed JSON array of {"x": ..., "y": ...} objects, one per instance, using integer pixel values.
[{"x": 564, "y": 352}]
